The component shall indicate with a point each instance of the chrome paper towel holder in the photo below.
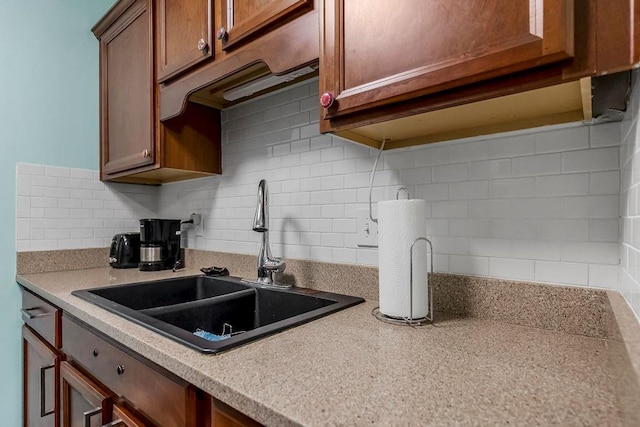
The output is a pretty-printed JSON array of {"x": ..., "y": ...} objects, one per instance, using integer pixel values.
[{"x": 411, "y": 321}]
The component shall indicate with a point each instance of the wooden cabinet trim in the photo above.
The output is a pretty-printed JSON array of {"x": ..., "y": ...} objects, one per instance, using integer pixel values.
[
  {"x": 266, "y": 18},
  {"x": 111, "y": 16}
]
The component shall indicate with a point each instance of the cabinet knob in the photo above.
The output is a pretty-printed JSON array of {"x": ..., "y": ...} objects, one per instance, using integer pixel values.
[
  {"x": 146, "y": 154},
  {"x": 202, "y": 46},
  {"x": 222, "y": 33},
  {"x": 120, "y": 369},
  {"x": 95, "y": 352},
  {"x": 326, "y": 99}
]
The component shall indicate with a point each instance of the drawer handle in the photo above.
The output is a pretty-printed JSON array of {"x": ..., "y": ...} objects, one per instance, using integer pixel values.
[
  {"x": 29, "y": 316},
  {"x": 115, "y": 423},
  {"x": 89, "y": 414},
  {"x": 44, "y": 412},
  {"x": 120, "y": 369},
  {"x": 95, "y": 352}
]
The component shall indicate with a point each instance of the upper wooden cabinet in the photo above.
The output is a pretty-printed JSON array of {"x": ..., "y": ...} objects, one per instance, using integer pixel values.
[
  {"x": 389, "y": 50},
  {"x": 389, "y": 60},
  {"x": 185, "y": 35},
  {"x": 127, "y": 91},
  {"x": 254, "y": 39},
  {"x": 243, "y": 19},
  {"x": 135, "y": 146}
]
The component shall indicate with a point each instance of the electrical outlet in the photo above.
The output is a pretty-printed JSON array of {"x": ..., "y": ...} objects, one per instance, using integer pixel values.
[
  {"x": 367, "y": 230},
  {"x": 198, "y": 224}
]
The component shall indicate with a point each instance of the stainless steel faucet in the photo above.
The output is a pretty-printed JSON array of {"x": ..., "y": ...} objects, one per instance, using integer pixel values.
[{"x": 267, "y": 265}]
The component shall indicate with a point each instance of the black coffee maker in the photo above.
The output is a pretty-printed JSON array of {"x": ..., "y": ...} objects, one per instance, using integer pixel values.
[{"x": 160, "y": 244}]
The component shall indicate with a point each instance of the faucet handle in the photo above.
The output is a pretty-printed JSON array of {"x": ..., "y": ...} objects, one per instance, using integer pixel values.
[{"x": 275, "y": 265}]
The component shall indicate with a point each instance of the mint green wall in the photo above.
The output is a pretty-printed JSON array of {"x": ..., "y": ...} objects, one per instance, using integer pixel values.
[{"x": 48, "y": 115}]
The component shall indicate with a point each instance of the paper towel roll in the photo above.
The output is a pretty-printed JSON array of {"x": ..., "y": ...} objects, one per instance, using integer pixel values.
[{"x": 400, "y": 222}]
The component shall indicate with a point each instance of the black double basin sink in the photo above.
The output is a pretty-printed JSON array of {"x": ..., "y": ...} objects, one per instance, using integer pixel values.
[{"x": 213, "y": 314}]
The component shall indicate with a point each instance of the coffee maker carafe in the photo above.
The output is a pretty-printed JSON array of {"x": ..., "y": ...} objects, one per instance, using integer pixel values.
[{"x": 159, "y": 244}]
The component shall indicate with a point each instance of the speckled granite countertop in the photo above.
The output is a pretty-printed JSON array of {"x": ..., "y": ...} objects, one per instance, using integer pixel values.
[{"x": 350, "y": 369}]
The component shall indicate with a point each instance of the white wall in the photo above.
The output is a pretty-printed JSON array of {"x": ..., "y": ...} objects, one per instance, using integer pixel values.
[
  {"x": 539, "y": 205},
  {"x": 629, "y": 207}
]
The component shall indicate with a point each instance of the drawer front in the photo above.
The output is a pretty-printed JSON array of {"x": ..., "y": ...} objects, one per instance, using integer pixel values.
[
  {"x": 42, "y": 317},
  {"x": 166, "y": 401}
]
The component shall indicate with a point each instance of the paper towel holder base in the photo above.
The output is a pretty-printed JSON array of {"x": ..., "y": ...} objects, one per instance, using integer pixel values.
[{"x": 410, "y": 321}]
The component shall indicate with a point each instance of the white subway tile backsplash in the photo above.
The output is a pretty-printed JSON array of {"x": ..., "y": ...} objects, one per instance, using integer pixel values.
[
  {"x": 507, "y": 268},
  {"x": 562, "y": 185},
  {"x": 30, "y": 169},
  {"x": 469, "y": 228},
  {"x": 591, "y": 160},
  {"x": 451, "y": 173},
  {"x": 432, "y": 192},
  {"x": 563, "y": 272},
  {"x": 563, "y": 230},
  {"x": 543, "y": 164},
  {"x": 536, "y": 250},
  {"x": 499, "y": 205},
  {"x": 470, "y": 265},
  {"x": 603, "y": 276},
  {"x": 606, "y": 135},
  {"x": 490, "y": 247},
  {"x": 604, "y": 230},
  {"x": 23, "y": 228},
  {"x": 470, "y": 190},
  {"x": 591, "y": 252},
  {"x": 57, "y": 171},
  {"x": 514, "y": 146},
  {"x": 453, "y": 209},
  {"x": 562, "y": 140},
  {"x": 509, "y": 228},
  {"x": 604, "y": 182},
  {"x": 415, "y": 176},
  {"x": 490, "y": 169},
  {"x": 513, "y": 187}
]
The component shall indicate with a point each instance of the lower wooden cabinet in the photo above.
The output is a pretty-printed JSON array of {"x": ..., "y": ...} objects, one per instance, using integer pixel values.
[
  {"x": 123, "y": 418},
  {"x": 41, "y": 365},
  {"x": 223, "y": 415},
  {"x": 93, "y": 381}
]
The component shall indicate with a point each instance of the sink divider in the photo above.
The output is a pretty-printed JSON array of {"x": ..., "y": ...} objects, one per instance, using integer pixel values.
[{"x": 156, "y": 311}]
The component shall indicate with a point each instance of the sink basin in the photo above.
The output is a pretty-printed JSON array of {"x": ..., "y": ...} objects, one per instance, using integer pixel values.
[{"x": 212, "y": 314}]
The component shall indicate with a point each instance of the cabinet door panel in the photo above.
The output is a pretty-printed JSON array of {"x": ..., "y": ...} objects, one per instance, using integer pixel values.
[
  {"x": 127, "y": 92},
  {"x": 389, "y": 50},
  {"x": 185, "y": 35},
  {"x": 245, "y": 18},
  {"x": 83, "y": 402},
  {"x": 41, "y": 366}
]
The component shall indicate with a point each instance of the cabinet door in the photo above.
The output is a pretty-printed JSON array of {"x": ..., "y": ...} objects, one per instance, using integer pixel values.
[
  {"x": 185, "y": 35},
  {"x": 223, "y": 415},
  {"x": 123, "y": 418},
  {"x": 41, "y": 365},
  {"x": 83, "y": 402},
  {"x": 243, "y": 19},
  {"x": 127, "y": 93},
  {"x": 377, "y": 53}
]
